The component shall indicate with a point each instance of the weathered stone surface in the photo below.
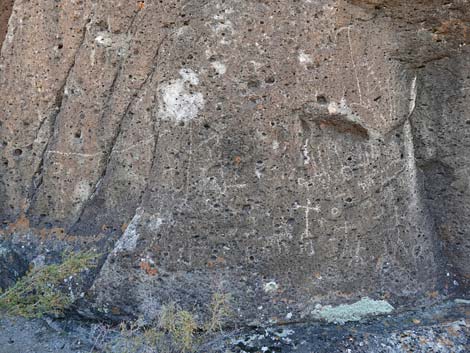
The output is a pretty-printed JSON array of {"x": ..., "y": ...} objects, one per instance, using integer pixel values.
[
  {"x": 12, "y": 267},
  {"x": 289, "y": 153},
  {"x": 5, "y": 12},
  {"x": 440, "y": 329}
]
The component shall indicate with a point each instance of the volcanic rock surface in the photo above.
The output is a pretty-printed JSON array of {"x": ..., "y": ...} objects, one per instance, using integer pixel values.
[{"x": 286, "y": 152}]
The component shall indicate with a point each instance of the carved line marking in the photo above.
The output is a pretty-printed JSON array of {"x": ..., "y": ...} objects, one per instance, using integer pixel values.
[
  {"x": 91, "y": 155},
  {"x": 354, "y": 66}
]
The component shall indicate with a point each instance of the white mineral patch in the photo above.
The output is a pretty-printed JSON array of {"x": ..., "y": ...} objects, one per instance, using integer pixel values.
[
  {"x": 190, "y": 76},
  {"x": 304, "y": 59},
  {"x": 182, "y": 31},
  {"x": 343, "y": 109},
  {"x": 223, "y": 25},
  {"x": 271, "y": 287},
  {"x": 39, "y": 261},
  {"x": 104, "y": 39},
  {"x": 413, "y": 95},
  {"x": 154, "y": 223},
  {"x": 178, "y": 102},
  {"x": 284, "y": 333},
  {"x": 82, "y": 191},
  {"x": 462, "y": 301},
  {"x": 11, "y": 31},
  {"x": 128, "y": 241},
  {"x": 219, "y": 67}
]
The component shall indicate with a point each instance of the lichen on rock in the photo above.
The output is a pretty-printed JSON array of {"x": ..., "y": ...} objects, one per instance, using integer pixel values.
[
  {"x": 287, "y": 151},
  {"x": 352, "y": 312}
]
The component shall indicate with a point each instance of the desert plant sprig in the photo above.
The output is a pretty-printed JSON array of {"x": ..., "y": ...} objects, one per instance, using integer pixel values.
[
  {"x": 180, "y": 324},
  {"x": 220, "y": 311},
  {"x": 186, "y": 327},
  {"x": 175, "y": 331},
  {"x": 41, "y": 290}
]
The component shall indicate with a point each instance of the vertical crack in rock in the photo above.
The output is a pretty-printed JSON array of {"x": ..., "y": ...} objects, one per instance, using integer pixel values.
[
  {"x": 38, "y": 174},
  {"x": 411, "y": 165},
  {"x": 107, "y": 108},
  {"x": 156, "y": 135},
  {"x": 6, "y": 9},
  {"x": 413, "y": 96},
  {"x": 409, "y": 144},
  {"x": 108, "y": 155},
  {"x": 269, "y": 200},
  {"x": 418, "y": 209},
  {"x": 415, "y": 206},
  {"x": 130, "y": 235},
  {"x": 106, "y": 111},
  {"x": 440, "y": 126},
  {"x": 112, "y": 88},
  {"x": 411, "y": 108}
]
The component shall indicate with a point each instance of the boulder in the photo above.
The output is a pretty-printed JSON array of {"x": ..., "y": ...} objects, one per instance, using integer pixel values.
[{"x": 288, "y": 153}]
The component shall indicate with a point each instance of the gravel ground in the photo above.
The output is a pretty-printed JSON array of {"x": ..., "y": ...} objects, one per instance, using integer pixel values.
[{"x": 442, "y": 328}]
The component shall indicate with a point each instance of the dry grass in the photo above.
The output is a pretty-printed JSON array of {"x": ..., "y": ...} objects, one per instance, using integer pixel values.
[
  {"x": 176, "y": 330},
  {"x": 41, "y": 291},
  {"x": 220, "y": 311},
  {"x": 180, "y": 325}
]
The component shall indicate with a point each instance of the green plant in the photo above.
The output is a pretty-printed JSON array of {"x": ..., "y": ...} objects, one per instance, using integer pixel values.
[
  {"x": 167, "y": 319},
  {"x": 180, "y": 325},
  {"x": 176, "y": 329},
  {"x": 186, "y": 326},
  {"x": 131, "y": 341},
  {"x": 220, "y": 311},
  {"x": 41, "y": 291},
  {"x": 155, "y": 338}
]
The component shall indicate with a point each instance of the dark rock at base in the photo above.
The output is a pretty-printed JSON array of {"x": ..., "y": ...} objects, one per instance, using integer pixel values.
[
  {"x": 444, "y": 328},
  {"x": 12, "y": 267},
  {"x": 289, "y": 153}
]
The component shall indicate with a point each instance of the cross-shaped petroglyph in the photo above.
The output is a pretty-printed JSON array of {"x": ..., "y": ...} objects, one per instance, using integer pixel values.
[
  {"x": 307, "y": 235},
  {"x": 308, "y": 207}
]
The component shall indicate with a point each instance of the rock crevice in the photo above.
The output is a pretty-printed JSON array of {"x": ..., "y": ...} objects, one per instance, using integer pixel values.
[{"x": 314, "y": 147}]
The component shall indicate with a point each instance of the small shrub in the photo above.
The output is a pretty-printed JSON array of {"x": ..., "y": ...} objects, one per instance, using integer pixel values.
[
  {"x": 132, "y": 339},
  {"x": 41, "y": 291},
  {"x": 220, "y": 311},
  {"x": 174, "y": 333},
  {"x": 186, "y": 326},
  {"x": 156, "y": 339},
  {"x": 180, "y": 325},
  {"x": 167, "y": 319}
]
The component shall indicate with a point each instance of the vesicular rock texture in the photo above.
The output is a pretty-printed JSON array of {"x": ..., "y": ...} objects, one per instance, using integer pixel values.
[
  {"x": 286, "y": 152},
  {"x": 5, "y": 12}
]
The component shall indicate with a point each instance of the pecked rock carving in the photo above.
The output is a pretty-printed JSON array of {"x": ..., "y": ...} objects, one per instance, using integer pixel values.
[{"x": 289, "y": 153}]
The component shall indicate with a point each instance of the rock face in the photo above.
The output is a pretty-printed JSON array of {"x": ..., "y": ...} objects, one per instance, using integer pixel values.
[
  {"x": 288, "y": 153},
  {"x": 13, "y": 266},
  {"x": 5, "y": 12}
]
